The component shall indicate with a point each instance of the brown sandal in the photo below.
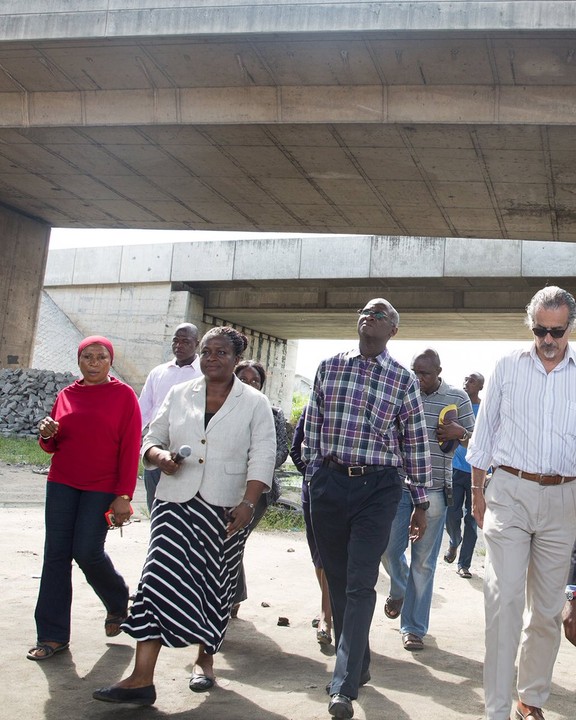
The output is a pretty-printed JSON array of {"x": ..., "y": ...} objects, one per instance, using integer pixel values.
[
  {"x": 393, "y": 607},
  {"x": 532, "y": 712},
  {"x": 234, "y": 611},
  {"x": 112, "y": 624}
]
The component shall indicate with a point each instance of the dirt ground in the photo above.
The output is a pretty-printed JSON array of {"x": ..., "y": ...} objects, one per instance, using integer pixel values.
[{"x": 265, "y": 672}]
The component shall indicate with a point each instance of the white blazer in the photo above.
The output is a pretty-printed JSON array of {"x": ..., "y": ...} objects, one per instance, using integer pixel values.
[{"x": 238, "y": 445}]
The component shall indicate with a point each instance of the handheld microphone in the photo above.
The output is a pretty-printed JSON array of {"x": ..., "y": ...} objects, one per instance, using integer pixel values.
[{"x": 184, "y": 452}]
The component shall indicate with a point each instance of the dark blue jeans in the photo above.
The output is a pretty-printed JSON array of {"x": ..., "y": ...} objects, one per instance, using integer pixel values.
[
  {"x": 75, "y": 530},
  {"x": 461, "y": 488},
  {"x": 352, "y": 517}
]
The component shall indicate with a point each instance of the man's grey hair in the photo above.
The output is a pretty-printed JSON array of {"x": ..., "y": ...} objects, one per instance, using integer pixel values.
[
  {"x": 551, "y": 298},
  {"x": 392, "y": 312}
]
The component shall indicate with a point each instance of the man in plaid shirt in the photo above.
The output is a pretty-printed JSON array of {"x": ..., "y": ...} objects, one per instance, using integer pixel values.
[{"x": 364, "y": 421}]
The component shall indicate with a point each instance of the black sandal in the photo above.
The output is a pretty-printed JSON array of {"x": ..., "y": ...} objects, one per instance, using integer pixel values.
[{"x": 48, "y": 651}]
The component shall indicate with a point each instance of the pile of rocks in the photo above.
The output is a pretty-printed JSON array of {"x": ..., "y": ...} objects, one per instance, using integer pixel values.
[{"x": 26, "y": 396}]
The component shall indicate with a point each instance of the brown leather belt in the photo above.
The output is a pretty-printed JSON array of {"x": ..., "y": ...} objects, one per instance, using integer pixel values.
[
  {"x": 354, "y": 470},
  {"x": 540, "y": 479}
]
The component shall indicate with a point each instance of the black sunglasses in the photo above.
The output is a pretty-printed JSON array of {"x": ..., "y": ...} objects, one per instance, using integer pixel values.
[{"x": 553, "y": 332}]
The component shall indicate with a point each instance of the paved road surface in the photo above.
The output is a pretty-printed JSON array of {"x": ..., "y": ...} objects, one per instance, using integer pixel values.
[{"x": 265, "y": 672}]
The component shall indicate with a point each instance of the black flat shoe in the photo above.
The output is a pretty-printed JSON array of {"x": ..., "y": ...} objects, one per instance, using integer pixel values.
[
  {"x": 133, "y": 696},
  {"x": 200, "y": 683},
  {"x": 340, "y": 707}
]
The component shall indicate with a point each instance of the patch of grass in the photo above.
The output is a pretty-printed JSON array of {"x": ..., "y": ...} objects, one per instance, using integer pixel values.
[
  {"x": 23, "y": 451},
  {"x": 26, "y": 451},
  {"x": 289, "y": 477},
  {"x": 279, "y": 518},
  {"x": 299, "y": 401}
]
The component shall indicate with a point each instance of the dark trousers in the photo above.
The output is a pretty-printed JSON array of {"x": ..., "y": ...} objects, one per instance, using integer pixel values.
[
  {"x": 241, "y": 587},
  {"x": 151, "y": 480},
  {"x": 462, "y": 493},
  {"x": 75, "y": 530},
  {"x": 351, "y": 518}
]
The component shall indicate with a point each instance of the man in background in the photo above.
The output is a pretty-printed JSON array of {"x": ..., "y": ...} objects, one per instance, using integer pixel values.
[
  {"x": 462, "y": 494},
  {"x": 184, "y": 366},
  {"x": 569, "y": 611},
  {"x": 412, "y": 585}
]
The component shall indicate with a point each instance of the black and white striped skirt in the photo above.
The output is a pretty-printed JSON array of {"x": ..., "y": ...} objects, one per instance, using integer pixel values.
[{"x": 189, "y": 577}]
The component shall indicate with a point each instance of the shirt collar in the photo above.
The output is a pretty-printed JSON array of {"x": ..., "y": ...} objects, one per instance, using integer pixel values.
[
  {"x": 442, "y": 388},
  {"x": 383, "y": 359},
  {"x": 569, "y": 356},
  {"x": 172, "y": 363}
]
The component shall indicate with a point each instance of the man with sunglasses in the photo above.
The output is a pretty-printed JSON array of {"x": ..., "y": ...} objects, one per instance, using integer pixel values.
[
  {"x": 364, "y": 422},
  {"x": 526, "y": 428}
]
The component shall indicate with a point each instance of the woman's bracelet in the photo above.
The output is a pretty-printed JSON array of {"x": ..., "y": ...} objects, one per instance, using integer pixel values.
[
  {"x": 45, "y": 439},
  {"x": 251, "y": 505},
  {"x": 477, "y": 487}
]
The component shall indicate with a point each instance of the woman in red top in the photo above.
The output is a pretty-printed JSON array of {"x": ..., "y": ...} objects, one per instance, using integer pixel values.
[{"x": 93, "y": 434}]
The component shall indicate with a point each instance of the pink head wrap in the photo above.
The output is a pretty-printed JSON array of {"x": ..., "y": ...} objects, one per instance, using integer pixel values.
[{"x": 101, "y": 340}]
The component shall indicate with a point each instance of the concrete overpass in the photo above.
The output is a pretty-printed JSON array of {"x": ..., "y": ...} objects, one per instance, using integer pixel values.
[
  {"x": 283, "y": 289},
  {"x": 430, "y": 119}
]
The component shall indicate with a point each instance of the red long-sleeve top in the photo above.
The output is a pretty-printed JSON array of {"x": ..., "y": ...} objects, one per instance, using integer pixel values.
[{"x": 98, "y": 440}]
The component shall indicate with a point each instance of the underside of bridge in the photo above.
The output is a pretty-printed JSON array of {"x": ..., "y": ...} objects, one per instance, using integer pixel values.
[
  {"x": 429, "y": 309},
  {"x": 461, "y": 133},
  {"x": 392, "y": 118}
]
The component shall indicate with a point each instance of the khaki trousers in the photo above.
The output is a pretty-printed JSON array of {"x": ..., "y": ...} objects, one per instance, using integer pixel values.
[{"x": 529, "y": 530}]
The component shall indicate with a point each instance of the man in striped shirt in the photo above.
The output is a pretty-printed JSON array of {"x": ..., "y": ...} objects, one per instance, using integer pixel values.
[
  {"x": 364, "y": 422},
  {"x": 526, "y": 429},
  {"x": 411, "y": 585}
]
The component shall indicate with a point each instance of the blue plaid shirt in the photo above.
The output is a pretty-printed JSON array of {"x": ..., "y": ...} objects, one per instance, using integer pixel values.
[{"x": 367, "y": 412}]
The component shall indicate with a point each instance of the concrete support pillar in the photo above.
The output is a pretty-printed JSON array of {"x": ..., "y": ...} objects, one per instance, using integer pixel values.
[{"x": 23, "y": 252}]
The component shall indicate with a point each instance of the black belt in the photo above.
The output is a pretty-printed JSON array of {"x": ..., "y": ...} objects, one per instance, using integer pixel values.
[{"x": 354, "y": 470}]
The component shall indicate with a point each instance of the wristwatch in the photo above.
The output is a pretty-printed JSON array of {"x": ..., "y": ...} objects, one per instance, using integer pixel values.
[
  {"x": 570, "y": 592},
  {"x": 466, "y": 436},
  {"x": 423, "y": 505}
]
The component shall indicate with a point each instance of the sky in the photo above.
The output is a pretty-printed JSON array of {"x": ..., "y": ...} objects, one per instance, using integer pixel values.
[{"x": 458, "y": 358}]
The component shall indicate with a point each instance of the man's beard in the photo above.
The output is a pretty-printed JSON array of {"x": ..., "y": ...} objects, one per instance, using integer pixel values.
[{"x": 549, "y": 350}]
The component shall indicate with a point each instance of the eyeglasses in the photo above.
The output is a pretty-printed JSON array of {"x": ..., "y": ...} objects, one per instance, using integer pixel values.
[
  {"x": 553, "y": 332},
  {"x": 376, "y": 314}
]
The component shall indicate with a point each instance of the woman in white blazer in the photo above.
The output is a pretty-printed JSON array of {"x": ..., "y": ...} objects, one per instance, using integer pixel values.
[{"x": 202, "y": 508}]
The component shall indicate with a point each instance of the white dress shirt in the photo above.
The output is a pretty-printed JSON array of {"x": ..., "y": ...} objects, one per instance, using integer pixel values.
[
  {"x": 159, "y": 381},
  {"x": 527, "y": 419}
]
